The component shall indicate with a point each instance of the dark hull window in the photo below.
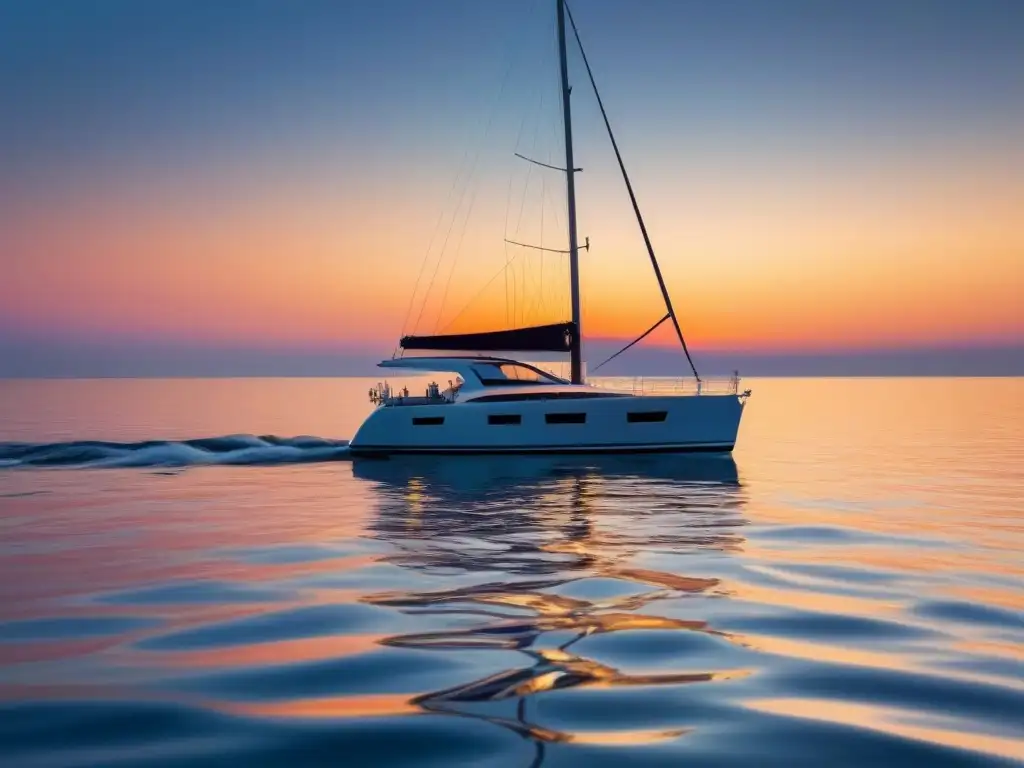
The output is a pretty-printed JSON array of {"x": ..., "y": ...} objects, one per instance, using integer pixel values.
[
  {"x": 505, "y": 418},
  {"x": 565, "y": 418},
  {"x": 427, "y": 421},
  {"x": 641, "y": 416}
]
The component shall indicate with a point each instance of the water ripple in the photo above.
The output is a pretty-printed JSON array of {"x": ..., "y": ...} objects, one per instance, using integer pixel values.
[{"x": 827, "y": 600}]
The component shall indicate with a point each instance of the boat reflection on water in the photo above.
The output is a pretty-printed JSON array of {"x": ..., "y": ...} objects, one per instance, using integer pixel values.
[
  {"x": 531, "y": 526},
  {"x": 470, "y": 474},
  {"x": 535, "y": 515}
]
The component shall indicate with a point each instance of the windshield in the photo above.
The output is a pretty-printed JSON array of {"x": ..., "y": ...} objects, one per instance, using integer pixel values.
[{"x": 511, "y": 374}]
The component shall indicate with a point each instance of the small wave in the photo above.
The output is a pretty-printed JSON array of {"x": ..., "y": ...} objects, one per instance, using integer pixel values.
[{"x": 231, "y": 449}]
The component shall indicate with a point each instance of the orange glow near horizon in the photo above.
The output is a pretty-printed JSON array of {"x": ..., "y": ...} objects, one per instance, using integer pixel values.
[
  {"x": 845, "y": 272},
  {"x": 804, "y": 192}
]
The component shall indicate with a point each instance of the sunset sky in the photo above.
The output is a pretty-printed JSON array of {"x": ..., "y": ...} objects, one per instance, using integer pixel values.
[{"x": 264, "y": 178}]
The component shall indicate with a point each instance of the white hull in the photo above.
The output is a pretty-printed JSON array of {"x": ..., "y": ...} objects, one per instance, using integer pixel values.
[{"x": 621, "y": 424}]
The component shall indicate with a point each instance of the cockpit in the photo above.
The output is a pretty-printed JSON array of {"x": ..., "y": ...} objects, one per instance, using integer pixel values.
[{"x": 476, "y": 373}]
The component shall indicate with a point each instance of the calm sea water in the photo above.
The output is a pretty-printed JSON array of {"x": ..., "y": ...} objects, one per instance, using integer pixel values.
[{"x": 848, "y": 589}]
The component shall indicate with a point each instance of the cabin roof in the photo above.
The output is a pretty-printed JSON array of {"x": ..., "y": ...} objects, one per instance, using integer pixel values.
[{"x": 478, "y": 371}]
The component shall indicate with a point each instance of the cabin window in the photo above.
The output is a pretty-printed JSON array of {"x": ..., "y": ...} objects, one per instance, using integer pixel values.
[
  {"x": 427, "y": 421},
  {"x": 505, "y": 418},
  {"x": 634, "y": 417},
  {"x": 565, "y": 418}
]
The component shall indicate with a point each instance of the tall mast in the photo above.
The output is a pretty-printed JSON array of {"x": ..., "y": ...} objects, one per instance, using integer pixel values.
[{"x": 576, "y": 347}]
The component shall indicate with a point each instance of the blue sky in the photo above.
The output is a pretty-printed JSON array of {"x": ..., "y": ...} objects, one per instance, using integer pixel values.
[
  {"x": 172, "y": 80},
  {"x": 361, "y": 111}
]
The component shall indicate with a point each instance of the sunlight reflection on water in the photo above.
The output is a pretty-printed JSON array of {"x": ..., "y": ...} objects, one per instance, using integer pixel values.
[{"x": 848, "y": 588}]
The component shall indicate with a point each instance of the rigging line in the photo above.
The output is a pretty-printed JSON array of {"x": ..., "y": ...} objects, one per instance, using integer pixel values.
[
  {"x": 444, "y": 245},
  {"x": 522, "y": 202},
  {"x": 476, "y": 157},
  {"x": 540, "y": 286},
  {"x": 558, "y": 228},
  {"x": 632, "y": 197},
  {"x": 505, "y": 254},
  {"x": 541, "y": 298},
  {"x": 508, "y": 204},
  {"x": 515, "y": 292},
  {"x": 506, "y": 287},
  {"x": 519, "y": 222},
  {"x": 529, "y": 172},
  {"x": 545, "y": 202},
  {"x": 540, "y": 304},
  {"x": 523, "y": 296},
  {"x": 508, "y": 210},
  {"x": 537, "y": 301},
  {"x": 535, "y": 294},
  {"x": 554, "y": 143},
  {"x": 637, "y": 340},
  {"x": 471, "y": 180},
  {"x": 430, "y": 243},
  {"x": 554, "y": 208},
  {"x": 524, "y": 302},
  {"x": 458, "y": 252},
  {"x": 477, "y": 295}
]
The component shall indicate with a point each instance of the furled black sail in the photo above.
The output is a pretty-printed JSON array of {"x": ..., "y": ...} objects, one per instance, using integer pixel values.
[{"x": 557, "y": 337}]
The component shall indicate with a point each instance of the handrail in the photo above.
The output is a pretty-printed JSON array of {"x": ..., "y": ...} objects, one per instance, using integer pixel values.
[
  {"x": 382, "y": 395},
  {"x": 645, "y": 385}
]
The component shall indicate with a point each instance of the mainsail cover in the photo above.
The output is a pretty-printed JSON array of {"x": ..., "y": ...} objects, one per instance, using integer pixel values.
[{"x": 557, "y": 337}]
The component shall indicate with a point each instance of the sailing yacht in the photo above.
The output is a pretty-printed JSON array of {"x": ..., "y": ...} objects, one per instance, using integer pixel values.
[{"x": 501, "y": 405}]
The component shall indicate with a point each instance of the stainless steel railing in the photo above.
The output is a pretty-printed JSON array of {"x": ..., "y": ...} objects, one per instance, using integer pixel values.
[{"x": 657, "y": 385}]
